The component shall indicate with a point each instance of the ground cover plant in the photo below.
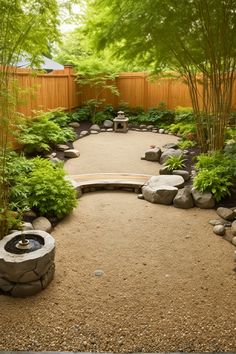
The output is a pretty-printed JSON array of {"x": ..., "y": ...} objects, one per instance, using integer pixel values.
[
  {"x": 40, "y": 185},
  {"x": 216, "y": 173},
  {"x": 44, "y": 131}
]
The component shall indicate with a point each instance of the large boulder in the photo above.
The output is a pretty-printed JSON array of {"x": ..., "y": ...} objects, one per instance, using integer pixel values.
[
  {"x": 226, "y": 213},
  {"x": 153, "y": 154},
  {"x": 160, "y": 195},
  {"x": 168, "y": 153},
  {"x": 203, "y": 200},
  {"x": 108, "y": 123},
  {"x": 42, "y": 223},
  {"x": 165, "y": 180},
  {"x": 183, "y": 199},
  {"x": 162, "y": 189}
]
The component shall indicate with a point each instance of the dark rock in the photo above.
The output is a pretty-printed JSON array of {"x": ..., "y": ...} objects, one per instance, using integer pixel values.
[
  {"x": 203, "y": 200},
  {"x": 226, "y": 213},
  {"x": 183, "y": 173},
  {"x": 153, "y": 154},
  {"x": 183, "y": 199},
  {"x": 168, "y": 153}
]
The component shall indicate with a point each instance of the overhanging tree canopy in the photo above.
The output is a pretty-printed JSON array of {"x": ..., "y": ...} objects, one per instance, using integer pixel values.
[{"x": 197, "y": 38}]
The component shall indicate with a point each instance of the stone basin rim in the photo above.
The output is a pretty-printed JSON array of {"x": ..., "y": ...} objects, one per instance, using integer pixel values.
[{"x": 49, "y": 245}]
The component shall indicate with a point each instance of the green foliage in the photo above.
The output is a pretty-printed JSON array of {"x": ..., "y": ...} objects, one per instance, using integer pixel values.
[
  {"x": 186, "y": 144},
  {"x": 194, "y": 38},
  {"x": 40, "y": 134},
  {"x": 215, "y": 181},
  {"x": 160, "y": 117},
  {"x": 27, "y": 27},
  {"x": 185, "y": 130},
  {"x": 175, "y": 163},
  {"x": 58, "y": 116},
  {"x": 40, "y": 185},
  {"x": 82, "y": 114},
  {"x": 99, "y": 118},
  {"x": 110, "y": 111},
  {"x": 216, "y": 173},
  {"x": 184, "y": 115},
  {"x": 209, "y": 161},
  {"x": 51, "y": 194}
]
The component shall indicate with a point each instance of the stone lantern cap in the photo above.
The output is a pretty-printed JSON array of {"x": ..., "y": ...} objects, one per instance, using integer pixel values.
[{"x": 121, "y": 115}]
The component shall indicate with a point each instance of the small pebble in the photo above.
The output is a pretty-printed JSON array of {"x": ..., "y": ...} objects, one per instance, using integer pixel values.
[{"x": 98, "y": 273}]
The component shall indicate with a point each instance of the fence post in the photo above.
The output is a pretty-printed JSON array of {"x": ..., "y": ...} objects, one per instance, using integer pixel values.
[{"x": 68, "y": 71}]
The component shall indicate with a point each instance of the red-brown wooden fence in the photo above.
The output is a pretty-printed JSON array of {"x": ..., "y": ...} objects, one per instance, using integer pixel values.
[{"x": 59, "y": 89}]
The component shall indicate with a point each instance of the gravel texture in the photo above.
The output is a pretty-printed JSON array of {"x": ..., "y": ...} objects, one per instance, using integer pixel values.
[{"x": 131, "y": 276}]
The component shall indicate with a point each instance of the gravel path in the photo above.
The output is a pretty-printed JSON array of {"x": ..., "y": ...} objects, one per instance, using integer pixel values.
[{"x": 164, "y": 281}]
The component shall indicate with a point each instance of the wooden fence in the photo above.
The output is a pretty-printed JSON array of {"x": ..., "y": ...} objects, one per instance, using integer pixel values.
[{"x": 59, "y": 89}]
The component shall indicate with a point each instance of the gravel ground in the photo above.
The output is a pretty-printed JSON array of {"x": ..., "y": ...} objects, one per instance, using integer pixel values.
[{"x": 131, "y": 276}]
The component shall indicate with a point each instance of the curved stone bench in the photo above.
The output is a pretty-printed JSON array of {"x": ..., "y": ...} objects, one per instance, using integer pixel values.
[{"x": 109, "y": 181}]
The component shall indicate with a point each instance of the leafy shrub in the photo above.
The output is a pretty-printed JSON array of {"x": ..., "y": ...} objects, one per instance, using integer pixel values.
[
  {"x": 82, "y": 114},
  {"x": 40, "y": 134},
  {"x": 186, "y": 144},
  {"x": 185, "y": 130},
  {"x": 59, "y": 117},
  {"x": 50, "y": 193},
  {"x": 215, "y": 181},
  {"x": 99, "y": 118},
  {"x": 209, "y": 161},
  {"x": 40, "y": 185},
  {"x": 109, "y": 111},
  {"x": 216, "y": 173},
  {"x": 175, "y": 163},
  {"x": 184, "y": 114}
]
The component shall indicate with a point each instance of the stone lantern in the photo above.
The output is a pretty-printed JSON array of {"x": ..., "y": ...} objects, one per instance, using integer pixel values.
[{"x": 121, "y": 123}]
